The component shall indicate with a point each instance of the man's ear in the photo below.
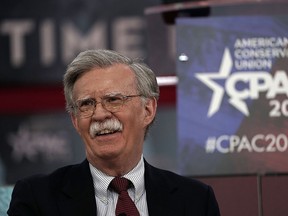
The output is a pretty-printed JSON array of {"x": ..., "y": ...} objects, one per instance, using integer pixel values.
[{"x": 150, "y": 110}]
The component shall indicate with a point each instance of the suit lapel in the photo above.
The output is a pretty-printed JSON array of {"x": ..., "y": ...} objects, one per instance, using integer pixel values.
[
  {"x": 159, "y": 192},
  {"x": 77, "y": 194}
]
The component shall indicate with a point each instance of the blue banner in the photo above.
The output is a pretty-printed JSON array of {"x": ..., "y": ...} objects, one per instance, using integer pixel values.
[{"x": 232, "y": 95}]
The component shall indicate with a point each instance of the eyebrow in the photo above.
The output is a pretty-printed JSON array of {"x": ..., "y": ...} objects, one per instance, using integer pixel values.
[
  {"x": 105, "y": 95},
  {"x": 84, "y": 98}
]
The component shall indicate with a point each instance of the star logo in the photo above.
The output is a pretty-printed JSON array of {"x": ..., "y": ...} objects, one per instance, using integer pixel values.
[{"x": 218, "y": 91}]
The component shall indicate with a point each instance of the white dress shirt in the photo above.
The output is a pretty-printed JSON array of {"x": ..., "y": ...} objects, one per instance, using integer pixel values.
[{"x": 106, "y": 199}]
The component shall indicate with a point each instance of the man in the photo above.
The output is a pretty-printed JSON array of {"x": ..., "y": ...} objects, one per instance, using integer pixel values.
[{"x": 112, "y": 101}]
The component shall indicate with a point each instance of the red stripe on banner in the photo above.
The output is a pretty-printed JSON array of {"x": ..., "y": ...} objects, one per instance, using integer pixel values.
[
  {"x": 35, "y": 99},
  {"x": 30, "y": 99},
  {"x": 167, "y": 95}
]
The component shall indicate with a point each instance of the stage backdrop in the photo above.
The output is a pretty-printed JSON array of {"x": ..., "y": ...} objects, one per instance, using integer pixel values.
[
  {"x": 232, "y": 95},
  {"x": 39, "y": 38},
  {"x": 37, "y": 41}
]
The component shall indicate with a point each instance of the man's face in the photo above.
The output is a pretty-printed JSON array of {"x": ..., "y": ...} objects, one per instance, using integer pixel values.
[{"x": 118, "y": 143}]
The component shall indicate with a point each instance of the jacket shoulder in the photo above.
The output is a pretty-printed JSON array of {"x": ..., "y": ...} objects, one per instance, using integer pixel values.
[
  {"x": 50, "y": 180},
  {"x": 172, "y": 178},
  {"x": 180, "y": 194}
]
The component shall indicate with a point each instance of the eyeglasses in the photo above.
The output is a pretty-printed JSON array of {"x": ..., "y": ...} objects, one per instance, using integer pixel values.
[{"x": 112, "y": 103}]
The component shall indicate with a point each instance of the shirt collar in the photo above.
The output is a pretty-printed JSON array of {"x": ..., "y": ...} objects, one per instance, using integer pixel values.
[
  {"x": 101, "y": 181},
  {"x": 136, "y": 176}
]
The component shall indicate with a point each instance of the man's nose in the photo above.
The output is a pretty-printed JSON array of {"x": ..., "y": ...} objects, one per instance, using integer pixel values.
[{"x": 100, "y": 112}]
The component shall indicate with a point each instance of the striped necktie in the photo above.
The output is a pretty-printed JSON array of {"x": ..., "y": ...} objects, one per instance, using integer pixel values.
[{"x": 125, "y": 206}]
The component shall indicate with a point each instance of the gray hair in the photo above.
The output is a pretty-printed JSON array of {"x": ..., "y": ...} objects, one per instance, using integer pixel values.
[{"x": 145, "y": 78}]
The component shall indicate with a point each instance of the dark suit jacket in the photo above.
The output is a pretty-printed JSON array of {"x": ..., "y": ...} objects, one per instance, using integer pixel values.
[{"x": 69, "y": 191}]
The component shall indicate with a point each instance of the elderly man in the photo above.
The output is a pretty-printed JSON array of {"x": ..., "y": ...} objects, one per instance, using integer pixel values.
[{"x": 112, "y": 101}]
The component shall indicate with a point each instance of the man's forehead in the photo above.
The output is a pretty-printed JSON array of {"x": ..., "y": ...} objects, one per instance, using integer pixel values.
[{"x": 112, "y": 80}]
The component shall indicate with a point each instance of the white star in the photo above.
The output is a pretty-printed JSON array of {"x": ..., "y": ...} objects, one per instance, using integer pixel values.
[{"x": 218, "y": 91}]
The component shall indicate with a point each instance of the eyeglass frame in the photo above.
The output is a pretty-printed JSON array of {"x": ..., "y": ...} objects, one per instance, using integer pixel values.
[{"x": 124, "y": 98}]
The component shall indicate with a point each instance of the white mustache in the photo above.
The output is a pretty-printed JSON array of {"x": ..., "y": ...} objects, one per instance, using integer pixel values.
[{"x": 107, "y": 126}]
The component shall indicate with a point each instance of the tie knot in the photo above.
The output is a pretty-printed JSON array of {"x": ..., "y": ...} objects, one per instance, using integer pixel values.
[{"x": 120, "y": 184}]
